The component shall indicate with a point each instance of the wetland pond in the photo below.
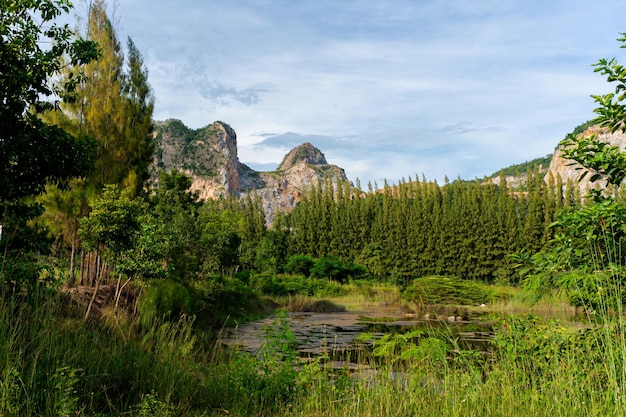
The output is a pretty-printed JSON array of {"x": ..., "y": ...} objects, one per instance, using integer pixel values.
[{"x": 336, "y": 333}]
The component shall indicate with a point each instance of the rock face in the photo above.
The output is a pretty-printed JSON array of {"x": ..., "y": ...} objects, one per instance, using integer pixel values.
[
  {"x": 568, "y": 169},
  {"x": 306, "y": 153},
  {"x": 209, "y": 157}
]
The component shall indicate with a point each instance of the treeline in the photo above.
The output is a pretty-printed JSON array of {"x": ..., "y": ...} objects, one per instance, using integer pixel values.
[{"x": 419, "y": 228}]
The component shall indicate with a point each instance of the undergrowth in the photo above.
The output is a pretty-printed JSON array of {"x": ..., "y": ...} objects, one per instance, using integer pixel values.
[{"x": 55, "y": 363}]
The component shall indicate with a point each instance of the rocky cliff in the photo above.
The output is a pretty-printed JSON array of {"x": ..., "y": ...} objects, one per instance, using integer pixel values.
[
  {"x": 209, "y": 157},
  {"x": 568, "y": 169}
]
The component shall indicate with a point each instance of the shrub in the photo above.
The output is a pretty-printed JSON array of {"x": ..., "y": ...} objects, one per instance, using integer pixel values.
[
  {"x": 233, "y": 299},
  {"x": 299, "y": 265},
  {"x": 333, "y": 268},
  {"x": 164, "y": 299},
  {"x": 445, "y": 290},
  {"x": 298, "y": 285}
]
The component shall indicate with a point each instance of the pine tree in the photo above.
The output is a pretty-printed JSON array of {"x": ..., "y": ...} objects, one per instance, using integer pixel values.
[{"x": 113, "y": 106}]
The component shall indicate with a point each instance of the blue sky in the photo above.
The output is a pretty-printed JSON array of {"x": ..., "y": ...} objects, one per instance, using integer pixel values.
[{"x": 385, "y": 89}]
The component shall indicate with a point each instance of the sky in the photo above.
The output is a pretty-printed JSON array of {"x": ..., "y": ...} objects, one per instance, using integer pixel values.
[{"x": 385, "y": 89}]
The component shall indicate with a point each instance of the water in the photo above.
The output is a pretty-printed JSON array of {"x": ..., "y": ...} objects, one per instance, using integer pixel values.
[{"x": 335, "y": 334}]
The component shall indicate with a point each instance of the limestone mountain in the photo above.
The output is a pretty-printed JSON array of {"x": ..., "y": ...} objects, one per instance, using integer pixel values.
[
  {"x": 567, "y": 169},
  {"x": 306, "y": 153},
  {"x": 516, "y": 175},
  {"x": 557, "y": 166},
  {"x": 209, "y": 157}
]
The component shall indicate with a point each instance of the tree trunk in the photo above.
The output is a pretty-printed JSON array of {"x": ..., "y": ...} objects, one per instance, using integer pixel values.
[
  {"x": 93, "y": 298},
  {"x": 72, "y": 266},
  {"x": 118, "y": 291},
  {"x": 82, "y": 267}
]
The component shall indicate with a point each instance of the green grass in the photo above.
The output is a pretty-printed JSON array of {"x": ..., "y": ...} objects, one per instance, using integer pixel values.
[
  {"x": 446, "y": 290},
  {"x": 53, "y": 363}
]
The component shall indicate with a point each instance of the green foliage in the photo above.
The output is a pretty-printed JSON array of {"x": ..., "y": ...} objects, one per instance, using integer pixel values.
[
  {"x": 537, "y": 341},
  {"x": 333, "y": 268},
  {"x": 298, "y": 285},
  {"x": 63, "y": 391},
  {"x": 165, "y": 300},
  {"x": 585, "y": 257},
  {"x": 543, "y": 348},
  {"x": 113, "y": 224},
  {"x": 299, "y": 265},
  {"x": 446, "y": 290},
  {"x": 612, "y": 110},
  {"x": 414, "y": 229},
  {"x": 168, "y": 245},
  {"x": 27, "y": 278},
  {"x": 373, "y": 258},
  {"x": 268, "y": 380},
  {"x": 223, "y": 300},
  {"x": 33, "y": 50},
  {"x": 271, "y": 252},
  {"x": 415, "y": 350},
  {"x": 152, "y": 406},
  {"x": 224, "y": 234},
  {"x": 71, "y": 367},
  {"x": 28, "y": 64},
  {"x": 601, "y": 159}
]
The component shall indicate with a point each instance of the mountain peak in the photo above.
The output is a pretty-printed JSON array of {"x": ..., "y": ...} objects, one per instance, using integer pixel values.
[
  {"x": 305, "y": 152},
  {"x": 209, "y": 157}
]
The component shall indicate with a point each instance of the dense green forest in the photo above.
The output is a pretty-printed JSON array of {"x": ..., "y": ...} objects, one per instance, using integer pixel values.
[{"x": 114, "y": 291}]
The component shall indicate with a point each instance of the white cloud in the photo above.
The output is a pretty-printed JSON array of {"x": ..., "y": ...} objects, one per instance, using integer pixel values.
[{"x": 389, "y": 89}]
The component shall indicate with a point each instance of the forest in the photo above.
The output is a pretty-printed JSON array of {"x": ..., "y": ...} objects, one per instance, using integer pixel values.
[{"x": 117, "y": 294}]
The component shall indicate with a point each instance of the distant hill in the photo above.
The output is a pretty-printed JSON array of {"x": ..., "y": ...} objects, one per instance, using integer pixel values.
[
  {"x": 560, "y": 168},
  {"x": 541, "y": 163},
  {"x": 568, "y": 170},
  {"x": 209, "y": 156}
]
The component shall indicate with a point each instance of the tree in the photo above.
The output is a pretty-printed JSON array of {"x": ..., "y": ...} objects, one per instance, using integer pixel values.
[
  {"x": 333, "y": 268},
  {"x": 33, "y": 49},
  {"x": 299, "y": 265},
  {"x": 221, "y": 240},
  {"x": 586, "y": 254},
  {"x": 63, "y": 210},
  {"x": 271, "y": 252},
  {"x": 169, "y": 242},
  {"x": 115, "y": 106},
  {"x": 113, "y": 224},
  {"x": 111, "y": 231}
]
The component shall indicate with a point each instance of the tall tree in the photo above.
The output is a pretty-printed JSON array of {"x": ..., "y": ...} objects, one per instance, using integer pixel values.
[
  {"x": 33, "y": 50},
  {"x": 114, "y": 106},
  {"x": 138, "y": 126}
]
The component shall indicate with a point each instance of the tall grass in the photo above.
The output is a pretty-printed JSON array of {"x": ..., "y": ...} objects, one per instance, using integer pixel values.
[
  {"x": 55, "y": 365},
  {"x": 539, "y": 369}
]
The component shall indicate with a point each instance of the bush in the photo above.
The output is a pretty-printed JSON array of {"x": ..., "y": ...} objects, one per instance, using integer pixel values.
[
  {"x": 299, "y": 265},
  {"x": 445, "y": 290},
  {"x": 333, "y": 268},
  {"x": 289, "y": 285},
  {"x": 165, "y": 300},
  {"x": 233, "y": 299},
  {"x": 325, "y": 288}
]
